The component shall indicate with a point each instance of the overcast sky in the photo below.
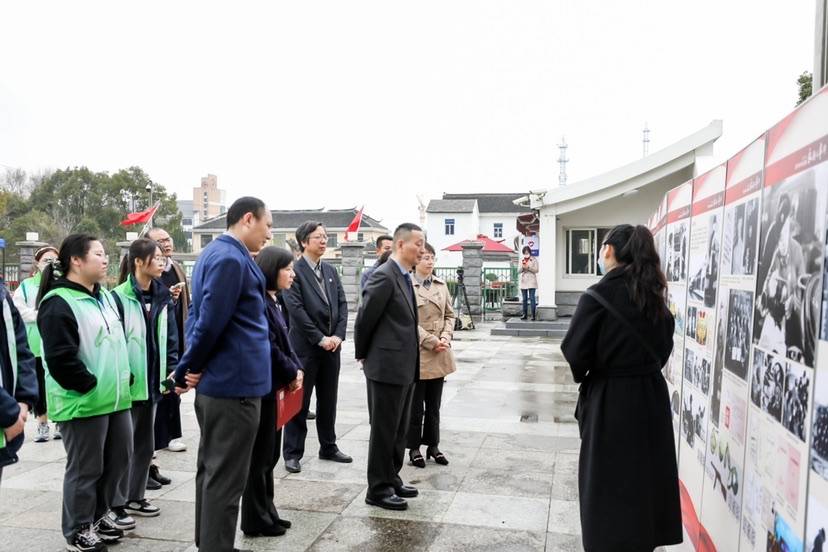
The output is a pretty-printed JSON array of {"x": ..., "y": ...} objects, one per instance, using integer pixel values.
[{"x": 336, "y": 104}]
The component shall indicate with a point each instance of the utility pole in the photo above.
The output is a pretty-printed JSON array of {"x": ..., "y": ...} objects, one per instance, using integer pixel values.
[
  {"x": 562, "y": 160},
  {"x": 646, "y": 140}
]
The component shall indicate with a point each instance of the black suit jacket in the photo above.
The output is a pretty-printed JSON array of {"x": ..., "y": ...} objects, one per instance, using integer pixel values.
[
  {"x": 284, "y": 363},
  {"x": 311, "y": 317},
  {"x": 385, "y": 334}
]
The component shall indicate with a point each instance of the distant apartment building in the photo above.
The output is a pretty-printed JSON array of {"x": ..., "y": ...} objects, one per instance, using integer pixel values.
[{"x": 208, "y": 200}]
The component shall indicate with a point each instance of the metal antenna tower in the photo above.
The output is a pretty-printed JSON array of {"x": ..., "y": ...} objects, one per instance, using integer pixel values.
[
  {"x": 646, "y": 140},
  {"x": 562, "y": 160}
]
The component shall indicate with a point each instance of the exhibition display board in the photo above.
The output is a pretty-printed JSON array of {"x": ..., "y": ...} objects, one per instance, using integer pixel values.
[{"x": 743, "y": 247}]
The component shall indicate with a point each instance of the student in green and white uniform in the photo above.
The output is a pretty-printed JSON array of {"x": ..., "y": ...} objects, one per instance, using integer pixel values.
[
  {"x": 25, "y": 299},
  {"x": 18, "y": 383},
  {"x": 148, "y": 316},
  {"x": 87, "y": 388}
]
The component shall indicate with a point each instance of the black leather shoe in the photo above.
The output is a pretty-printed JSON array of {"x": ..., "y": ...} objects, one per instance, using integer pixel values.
[
  {"x": 439, "y": 457},
  {"x": 292, "y": 465},
  {"x": 524, "y": 317},
  {"x": 155, "y": 474},
  {"x": 392, "y": 502},
  {"x": 284, "y": 523},
  {"x": 416, "y": 458},
  {"x": 407, "y": 491},
  {"x": 152, "y": 484},
  {"x": 338, "y": 456}
]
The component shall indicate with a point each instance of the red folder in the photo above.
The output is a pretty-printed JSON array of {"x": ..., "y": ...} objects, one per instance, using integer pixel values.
[{"x": 288, "y": 405}]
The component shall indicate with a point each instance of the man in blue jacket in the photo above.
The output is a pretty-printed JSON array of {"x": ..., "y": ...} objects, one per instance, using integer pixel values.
[
  {"x": 228, "y": 359},
  {"x": 18, "y": 382}
]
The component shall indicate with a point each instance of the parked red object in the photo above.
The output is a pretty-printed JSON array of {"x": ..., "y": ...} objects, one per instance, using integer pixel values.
[{"x": 489, "y": 245}]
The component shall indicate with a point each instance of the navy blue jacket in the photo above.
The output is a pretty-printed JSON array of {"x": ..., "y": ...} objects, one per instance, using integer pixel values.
[
  {"x": 26, "y": 389},
  {"x": 311, "y": 317},
  {"x": 284, "y": 362},
  {"x": 226, "y": 331},
  {"x": 161, "y": 298}
]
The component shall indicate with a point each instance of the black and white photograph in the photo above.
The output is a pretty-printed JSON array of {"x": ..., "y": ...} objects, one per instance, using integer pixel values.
[
  {"x": 819, "y": 441},
  {"x": 704, "y": 277},
  {"x": 737, "y": 348},
  {"x": 740, "y": 238},
  {"x": 757, "y": 376},
  {"x": 697, "y": 370},
  {"x": 797, "y": 392},
  {"x": 693, "y": 417},
  {"x": 718, "y": 362},
  {"x": 677, "y": 249},
  {"x": 772, "y": 386},
  {"x": 789, "y": 276}
]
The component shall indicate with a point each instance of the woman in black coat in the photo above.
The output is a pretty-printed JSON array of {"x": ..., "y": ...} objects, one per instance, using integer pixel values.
[
  {"x": 259, "y": 515},
  {"x": 627, "y": 472}
]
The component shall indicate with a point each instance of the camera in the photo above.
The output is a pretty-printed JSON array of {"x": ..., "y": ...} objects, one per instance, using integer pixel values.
[{"x": 460, "y": 273}]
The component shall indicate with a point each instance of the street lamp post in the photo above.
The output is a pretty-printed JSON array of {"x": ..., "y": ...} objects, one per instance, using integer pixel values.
[{"x": 149, "y": 191}]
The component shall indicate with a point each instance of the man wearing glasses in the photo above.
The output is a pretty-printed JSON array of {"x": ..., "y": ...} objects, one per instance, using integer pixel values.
[{"x": 318, "y": 314}]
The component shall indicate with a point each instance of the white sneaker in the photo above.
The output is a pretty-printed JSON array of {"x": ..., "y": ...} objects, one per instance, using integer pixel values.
[
  {"x": 177, "y": 445},
  {"x": 42, "y": 434},
  {"x": 57, "y": 435}
]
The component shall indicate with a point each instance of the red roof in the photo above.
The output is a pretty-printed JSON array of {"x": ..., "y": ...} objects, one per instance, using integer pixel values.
[{"x": 489, "y": 245}]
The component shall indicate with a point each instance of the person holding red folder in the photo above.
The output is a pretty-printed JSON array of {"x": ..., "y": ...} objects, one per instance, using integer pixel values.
[{"x": 259, "y": 516}]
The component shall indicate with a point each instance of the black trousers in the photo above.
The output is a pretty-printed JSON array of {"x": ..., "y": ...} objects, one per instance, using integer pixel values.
[
  {"x": 167, "y": 420},
  {"x": 40, "y": 404},
  {"x": 390, "y": 410},
  {"x": 424, "y": 428},
  {"x": 228, "y": 431},
  {"x": 257, "y": 510},
  {"x": 322, "y": 372},
  {"x": 98, "y": 450}
]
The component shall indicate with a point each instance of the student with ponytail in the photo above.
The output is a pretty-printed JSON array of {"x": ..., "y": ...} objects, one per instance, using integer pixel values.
[
  {"x": 620, "y": 337},
  {"x": 148, "y": 317},
  {"x": 25, "y": 299},
  {"x": 87, "y": 388}
]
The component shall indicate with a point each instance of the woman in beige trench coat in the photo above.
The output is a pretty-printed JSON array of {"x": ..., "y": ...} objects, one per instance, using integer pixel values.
[{"x": 436, "y": 360}]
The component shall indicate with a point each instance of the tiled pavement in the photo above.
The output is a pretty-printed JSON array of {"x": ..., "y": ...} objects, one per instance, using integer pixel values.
[{"x": 507, "y": 429}]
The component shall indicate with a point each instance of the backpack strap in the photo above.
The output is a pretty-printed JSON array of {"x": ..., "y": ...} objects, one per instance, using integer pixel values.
[{"x": 624, "y": 322}]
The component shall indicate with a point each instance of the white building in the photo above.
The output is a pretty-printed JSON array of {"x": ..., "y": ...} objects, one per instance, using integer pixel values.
[
  {"x": 574, "y": 218},
  {"x": 458, "y": 217}
]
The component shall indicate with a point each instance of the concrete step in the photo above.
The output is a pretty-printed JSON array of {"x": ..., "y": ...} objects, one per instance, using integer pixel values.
[
  {"x": 555, "y": 334},
  {"x": 518, "y": 324}
]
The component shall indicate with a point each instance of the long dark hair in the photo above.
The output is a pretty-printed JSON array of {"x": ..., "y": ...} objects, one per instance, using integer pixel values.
[
  {"x": 142, "y": 248},
  {"x": 75, "y": 245},
  {"x": 635, "y": 248},
  {"x": 271, "y": 260}
]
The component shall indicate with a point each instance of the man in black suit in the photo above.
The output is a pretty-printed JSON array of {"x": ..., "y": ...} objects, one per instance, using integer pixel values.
[
  {"x": 318, "y": 319},
  {"x": 387, "y": 344}
]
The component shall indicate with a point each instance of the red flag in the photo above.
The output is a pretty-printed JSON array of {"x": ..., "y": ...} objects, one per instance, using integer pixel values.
[
  {"x": 355, "y": 224},
  {"x": 142, "y": 217}
]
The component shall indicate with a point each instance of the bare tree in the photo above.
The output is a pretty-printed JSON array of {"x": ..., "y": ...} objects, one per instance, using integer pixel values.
[{"x": 16, "y": 181}]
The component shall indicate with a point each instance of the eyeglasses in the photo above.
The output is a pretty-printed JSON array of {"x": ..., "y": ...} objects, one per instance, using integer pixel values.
[
  {"x": 320, "y": 237},
  {"x": 164, "y": 240}
]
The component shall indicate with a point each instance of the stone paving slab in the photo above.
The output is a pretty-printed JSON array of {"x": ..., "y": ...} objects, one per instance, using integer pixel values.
[{"x": 511, "y": 484}]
